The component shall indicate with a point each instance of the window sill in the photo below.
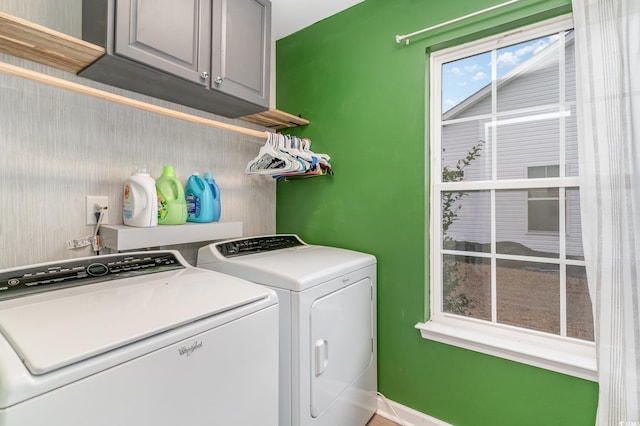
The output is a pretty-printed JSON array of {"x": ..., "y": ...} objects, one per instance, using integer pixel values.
[{"x": 563, "y": 355}]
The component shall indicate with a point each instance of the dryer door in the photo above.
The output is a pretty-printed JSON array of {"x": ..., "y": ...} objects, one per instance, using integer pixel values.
[{"x": 341, "y": 342}]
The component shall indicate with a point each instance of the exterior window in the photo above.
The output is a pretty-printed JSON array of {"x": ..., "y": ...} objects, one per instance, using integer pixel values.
[
  {"x": 507, "y": 265},
  {"x": 543, "y": 209}
]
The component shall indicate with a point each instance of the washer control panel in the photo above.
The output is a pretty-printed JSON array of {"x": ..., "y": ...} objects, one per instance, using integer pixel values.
[
  {"x": 68, "y": 273},
  {"x": 258, "y": 244}
]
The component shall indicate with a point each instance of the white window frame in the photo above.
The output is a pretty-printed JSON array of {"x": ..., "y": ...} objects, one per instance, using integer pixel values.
[{"x": 558, "y": 353}]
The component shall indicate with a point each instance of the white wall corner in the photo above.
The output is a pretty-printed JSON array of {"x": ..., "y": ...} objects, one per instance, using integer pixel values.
[{"x": 404, "y": 415}]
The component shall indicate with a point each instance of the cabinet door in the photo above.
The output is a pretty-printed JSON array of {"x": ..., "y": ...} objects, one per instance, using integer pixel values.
[
  {"x": 171, "y": 35},
  {"x": 241, "y": 57}
]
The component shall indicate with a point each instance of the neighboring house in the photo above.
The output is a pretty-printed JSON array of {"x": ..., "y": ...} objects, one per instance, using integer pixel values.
[{"x": 529, "y": 218}]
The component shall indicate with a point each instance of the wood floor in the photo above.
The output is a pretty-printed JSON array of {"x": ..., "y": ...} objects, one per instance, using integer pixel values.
[{"x": 377, "y": 420}]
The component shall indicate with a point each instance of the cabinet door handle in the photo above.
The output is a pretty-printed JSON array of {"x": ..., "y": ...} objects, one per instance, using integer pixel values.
[
  {"x": 218, "y": 80},
  {"x": 204, "y": 75}
]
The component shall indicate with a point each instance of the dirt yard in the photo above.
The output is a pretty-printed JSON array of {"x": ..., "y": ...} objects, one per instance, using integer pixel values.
[{"x": 527, "y": 296}]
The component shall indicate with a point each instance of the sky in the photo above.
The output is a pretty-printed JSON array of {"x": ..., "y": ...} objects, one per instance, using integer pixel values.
[{"x": 464, "y": 77}]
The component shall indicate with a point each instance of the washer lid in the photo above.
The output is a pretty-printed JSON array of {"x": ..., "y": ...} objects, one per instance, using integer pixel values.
[{"x": 55, "y": 329}]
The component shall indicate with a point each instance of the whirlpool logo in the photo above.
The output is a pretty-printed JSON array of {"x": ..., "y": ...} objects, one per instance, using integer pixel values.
[{"x": 188, "y": 350}]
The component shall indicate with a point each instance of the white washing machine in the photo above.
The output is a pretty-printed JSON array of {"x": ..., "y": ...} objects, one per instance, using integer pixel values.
[
  {"x": 327, "y": 299},
  {"x": 137, "y": 339}
]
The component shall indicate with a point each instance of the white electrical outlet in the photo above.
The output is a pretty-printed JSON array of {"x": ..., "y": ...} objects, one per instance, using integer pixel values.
[{"x": 93, "y": 203}]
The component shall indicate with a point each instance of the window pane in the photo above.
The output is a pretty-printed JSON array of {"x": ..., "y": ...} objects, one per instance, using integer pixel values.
[
  {"x": 523, "y": 139},
  {"x": 536, "y": 172},
  {"x": 466, "y": 221},
  {"x": 538, "y": 193},
  {"x": 466, "y": 86},
  {"x": 574, "y": 225},
  {"x": 528, "y": 74},
  {"x": 570, "y": 66},
  {"x": 515, "y": 215},
  {"x": 552, "y": 171},
  {"x": 528, "y": 295},
  {"x": 579, "y": 314},
  {"x": 571, "y": 126},
  {"x": 465, "y": 153},
  {"x": 571, "y": 142},
  {"x": 467, "y": 286},
  {"x": 544, "y": 215}
]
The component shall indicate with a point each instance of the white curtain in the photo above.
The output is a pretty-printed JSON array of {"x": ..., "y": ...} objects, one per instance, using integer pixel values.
[{"x": 608, "y": 75}]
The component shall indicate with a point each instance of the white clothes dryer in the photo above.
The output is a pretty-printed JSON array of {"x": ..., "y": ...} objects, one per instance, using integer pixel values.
[
  {"x": 136, "y": 339},
  {"x": 327, "y": 299}
]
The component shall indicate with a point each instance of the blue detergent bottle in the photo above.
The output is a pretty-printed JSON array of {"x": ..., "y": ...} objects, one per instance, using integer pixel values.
[
  {"x": 208, "y": 177},
  {"x": 199, "y": 197}
]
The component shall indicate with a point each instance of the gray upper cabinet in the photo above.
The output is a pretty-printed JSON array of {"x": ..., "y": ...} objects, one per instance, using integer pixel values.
[
  {"x": 241, "y": 48},
  {"x": 213, "y": 55},
  {"x": 171, "y": 35}
]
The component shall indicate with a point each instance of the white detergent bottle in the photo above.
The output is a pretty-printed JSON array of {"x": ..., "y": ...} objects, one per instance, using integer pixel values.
[{"x": 140, "y": 200}]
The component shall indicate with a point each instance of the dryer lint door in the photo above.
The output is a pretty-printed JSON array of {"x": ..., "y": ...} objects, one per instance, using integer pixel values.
[{"x": 341, "y": 342}]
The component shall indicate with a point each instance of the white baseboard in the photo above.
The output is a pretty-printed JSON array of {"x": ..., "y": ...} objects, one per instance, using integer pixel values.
[{"x": 404, "y": 415}]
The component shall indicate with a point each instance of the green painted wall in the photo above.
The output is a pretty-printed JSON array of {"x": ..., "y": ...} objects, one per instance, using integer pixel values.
[{"x": 365, "y": 97}]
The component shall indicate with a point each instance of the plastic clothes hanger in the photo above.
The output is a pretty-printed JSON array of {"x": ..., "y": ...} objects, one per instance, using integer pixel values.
[
  {"x": 319, "y": 164},
  {"x": 284, "y": 145},
  {"x": 290, "y": 146},
  {"x": 286, "y": 156},
  {"x": 294, "y": 148},
  {"x": 271, "y": 160},
  {"x": 306, "y": 146}
]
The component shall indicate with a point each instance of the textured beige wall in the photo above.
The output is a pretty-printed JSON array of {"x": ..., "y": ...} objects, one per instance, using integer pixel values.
[{"x": 57, "y": 147}]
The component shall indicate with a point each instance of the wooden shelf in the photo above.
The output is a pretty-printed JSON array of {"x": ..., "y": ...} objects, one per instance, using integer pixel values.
[
  {"x": 36, "y": 43},
  {"x": 275, "y": 119},
  {"x": 40, "y": 44}
]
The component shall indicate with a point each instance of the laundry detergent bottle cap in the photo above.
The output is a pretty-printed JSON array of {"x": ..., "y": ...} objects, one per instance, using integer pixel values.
[
  {"x": 199, "y": 197},
  {"x": 208, "y": 177},
  {"x": 139, "y": 200},
  {"x": 172, "y": 207}
]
